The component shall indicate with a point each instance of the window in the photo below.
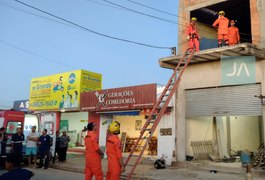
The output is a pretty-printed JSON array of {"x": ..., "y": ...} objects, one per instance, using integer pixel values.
[
  {"x": 238, "y": 10},
  {"x": 12, "y": 127}
]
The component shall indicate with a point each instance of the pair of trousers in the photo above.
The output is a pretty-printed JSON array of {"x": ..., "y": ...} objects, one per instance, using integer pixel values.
[{"x": 44, "y": 156}]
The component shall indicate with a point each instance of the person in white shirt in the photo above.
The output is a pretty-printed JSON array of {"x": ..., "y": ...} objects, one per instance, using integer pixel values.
[{"x": 31, "y": 146}]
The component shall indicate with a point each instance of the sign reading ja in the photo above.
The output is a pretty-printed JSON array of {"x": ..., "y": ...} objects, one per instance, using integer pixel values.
[{"x": 238, "y": 70}]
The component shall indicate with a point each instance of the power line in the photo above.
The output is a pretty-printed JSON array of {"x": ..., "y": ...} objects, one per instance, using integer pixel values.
[
  {"x": 103, "y": 4},
  {"x": 138, "y": 12},
  {"x": 92, "y": 31},
  {"x": 155, "y": 9},
  {"x": 34, "y": 54},
  {"x": 37, "y": 15}
]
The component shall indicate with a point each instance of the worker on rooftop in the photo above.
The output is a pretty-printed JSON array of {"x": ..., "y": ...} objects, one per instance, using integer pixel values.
[
  {"x": 192, "y": 34},
  {"x": 233, "y": 34},
  {"x": 221, "y": 23}
]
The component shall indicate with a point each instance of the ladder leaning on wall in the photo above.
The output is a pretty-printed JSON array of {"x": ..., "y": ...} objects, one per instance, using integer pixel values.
[{"x": 158, "y": 111}]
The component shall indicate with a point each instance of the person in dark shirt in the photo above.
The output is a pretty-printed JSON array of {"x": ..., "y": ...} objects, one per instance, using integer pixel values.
[
  {"x": 3, "y": 140},
  {"x": 45, "y": 142},
  {"x": 17, "y": 140},
  {"x": 57, "y": 147},
  {"x": 15, "y": 173},
  {"x": 65, "y": 139}
]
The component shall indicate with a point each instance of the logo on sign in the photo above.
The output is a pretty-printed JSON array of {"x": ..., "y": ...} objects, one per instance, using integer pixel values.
[
  {"x": 101, "y": 99},
  {"x": 237, "y": 71}
]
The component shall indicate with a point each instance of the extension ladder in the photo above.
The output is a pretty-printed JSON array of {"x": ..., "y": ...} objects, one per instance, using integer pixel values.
[{"x": 158, "y": 111}]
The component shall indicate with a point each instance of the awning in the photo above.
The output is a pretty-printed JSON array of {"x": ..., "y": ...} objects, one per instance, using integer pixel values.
[
  {"x": 245, "y": 49},
  {"x": 122, "y": 113}
]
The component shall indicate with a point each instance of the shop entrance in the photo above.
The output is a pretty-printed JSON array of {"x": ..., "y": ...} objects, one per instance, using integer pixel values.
[
  {"x": 130, "y": 131},
  {"x": 222, "y": 138},
  {"x": 223, "y": 121}
]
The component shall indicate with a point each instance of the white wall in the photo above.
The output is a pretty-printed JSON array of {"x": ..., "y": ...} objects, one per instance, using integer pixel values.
[
  {"x": 199, "y": 128},
  {"x": 166, "y": 144},
  {"x": 105, "y": 121},
  {"x": 75, "y": 124},
  {"x": 245, "y": 133}
]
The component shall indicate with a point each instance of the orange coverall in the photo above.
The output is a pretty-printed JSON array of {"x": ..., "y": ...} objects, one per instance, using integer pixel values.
[
  {"x": 222, "y": 25},
  {"x": 192, "y": 32},
  {"x": 233, "y": 34},
  {"x": 114, "y": 153},
  {"x": 93, "y": 161}
]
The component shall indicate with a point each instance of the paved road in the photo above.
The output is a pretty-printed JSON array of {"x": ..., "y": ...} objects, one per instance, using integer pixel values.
[
  {"x": 164, "y": 174},
  {"x": 48, "y": 174}
]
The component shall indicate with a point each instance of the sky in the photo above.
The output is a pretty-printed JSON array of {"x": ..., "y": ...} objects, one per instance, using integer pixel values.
[{"x": 34, "y": 44}]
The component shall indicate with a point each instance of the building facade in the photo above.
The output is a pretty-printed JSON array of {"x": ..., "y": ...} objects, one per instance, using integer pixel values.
[{"x": 219, "y": 99}]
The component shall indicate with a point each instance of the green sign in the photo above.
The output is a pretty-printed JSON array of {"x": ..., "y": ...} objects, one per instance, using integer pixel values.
[
  {"x": 238, "y": 70},
  {"x": 64, "y": 125}
]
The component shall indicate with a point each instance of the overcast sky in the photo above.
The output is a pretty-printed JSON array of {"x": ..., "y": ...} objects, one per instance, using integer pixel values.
[{"x": 33, "y": 44}]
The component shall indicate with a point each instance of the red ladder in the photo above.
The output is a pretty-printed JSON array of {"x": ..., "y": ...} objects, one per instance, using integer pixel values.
[{"x": 158, "y": 110}]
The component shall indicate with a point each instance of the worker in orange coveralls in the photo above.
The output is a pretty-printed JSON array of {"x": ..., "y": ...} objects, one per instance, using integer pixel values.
[
  {"x": 192, "y": 35},
  {"x": 233, "y": 34},
  {"x": 93, "y": 154},
  {"x": 114, "y": 153},
  {"x": 222, "y": 26}
]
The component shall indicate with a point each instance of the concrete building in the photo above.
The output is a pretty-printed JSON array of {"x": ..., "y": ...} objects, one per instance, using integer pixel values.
[{"x": 219, "y": 99}]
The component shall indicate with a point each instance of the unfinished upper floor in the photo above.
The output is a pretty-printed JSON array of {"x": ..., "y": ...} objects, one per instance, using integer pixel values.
[{"x": 249, "y": 16}]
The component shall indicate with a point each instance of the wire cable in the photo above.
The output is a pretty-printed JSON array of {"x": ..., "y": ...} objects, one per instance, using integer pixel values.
[
  {"x": 155, "y": 9},
  {"x": 37, "y": 15},
  {"x": 92, "y": 31},
  {"x": 36, "y": 55},
  {"x": 138, "y": 12}
]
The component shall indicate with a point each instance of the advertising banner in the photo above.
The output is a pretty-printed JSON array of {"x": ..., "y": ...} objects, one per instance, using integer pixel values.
[
  {"x": 126, "y": 98},
  {"x": 62, "y": 91}
]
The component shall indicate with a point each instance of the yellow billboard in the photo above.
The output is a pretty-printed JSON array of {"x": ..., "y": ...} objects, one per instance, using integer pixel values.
[{"x": 62, "y": 91}]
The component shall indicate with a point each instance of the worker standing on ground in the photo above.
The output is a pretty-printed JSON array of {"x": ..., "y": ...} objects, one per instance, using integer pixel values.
[
  {"x": 222, "y": 28},
  {"x": 192, "y": 35},
  {"x": 93, "y": 154},
  {"x": 114, "y": 153},
  {"x": 233, "y": 34}
]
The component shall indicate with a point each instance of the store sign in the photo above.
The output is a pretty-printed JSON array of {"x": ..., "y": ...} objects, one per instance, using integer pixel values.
[
  {"x": 127, "y": 98},
  {"x": 62, "y": 91},
  {"x": 238, "y": 70},
  {"x": 22, "y": 105}
]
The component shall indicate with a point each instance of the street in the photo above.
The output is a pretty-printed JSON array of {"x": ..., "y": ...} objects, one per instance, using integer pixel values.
[
  {"x": 41, "y": 174},
  {"x": 163, "y": 174}
]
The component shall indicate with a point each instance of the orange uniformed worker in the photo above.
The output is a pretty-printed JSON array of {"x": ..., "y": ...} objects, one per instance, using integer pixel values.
[
  {"x": 222, "y": 26},
  {"x": 93, "y": 154},
  {"x": 114, "y": 153},
  {"x": 193, "y": 35},
  {"x": 233, "y": 34}
]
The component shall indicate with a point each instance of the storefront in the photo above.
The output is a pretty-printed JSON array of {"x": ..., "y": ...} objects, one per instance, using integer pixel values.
[
  {"x": 130, "y": 106},
  {"x": 219, "y": 109}
]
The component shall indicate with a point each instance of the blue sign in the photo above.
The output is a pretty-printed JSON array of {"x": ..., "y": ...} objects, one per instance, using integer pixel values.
[{"x": 21, "y": 105}]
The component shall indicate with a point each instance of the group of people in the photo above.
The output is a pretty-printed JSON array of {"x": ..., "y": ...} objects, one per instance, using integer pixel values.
[
  {"x": 35, "y": 143},
  {"x": 61, "y": 146},
  {"x": 230, "y": 35},
  {"x": 94, "y": 154}
]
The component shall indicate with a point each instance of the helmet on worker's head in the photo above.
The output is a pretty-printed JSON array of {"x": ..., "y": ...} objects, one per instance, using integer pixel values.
[
  {"x": 221, "y": 13},
  {"x": 194, "y": 19},
  {"x": 114, "y": 127}
]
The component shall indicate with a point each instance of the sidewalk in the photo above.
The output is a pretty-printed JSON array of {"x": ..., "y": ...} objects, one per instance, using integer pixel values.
[{"x": 187, "y": 170}]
